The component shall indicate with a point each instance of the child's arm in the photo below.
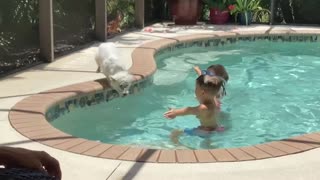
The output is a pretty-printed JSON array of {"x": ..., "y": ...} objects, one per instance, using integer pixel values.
[
  {"x": 173, "y": 113},
  {"x": 197, "y": 70}
]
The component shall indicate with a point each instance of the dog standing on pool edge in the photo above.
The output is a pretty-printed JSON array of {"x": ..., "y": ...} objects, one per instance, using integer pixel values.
[{"x": 109, "y": 63}]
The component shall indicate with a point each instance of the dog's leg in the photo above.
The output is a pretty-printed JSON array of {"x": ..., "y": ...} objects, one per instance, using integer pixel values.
[
  {"x": 127, "y": 89},
  {"x": 119, "y": 91},
  {"x": 98, "y": 70}
]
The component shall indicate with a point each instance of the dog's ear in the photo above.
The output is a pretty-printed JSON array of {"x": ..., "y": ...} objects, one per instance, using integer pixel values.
[
  {"x": 113, "y": 83},
  {"x": 112, "y": 78},
  {"x": 113, "y": 58}
]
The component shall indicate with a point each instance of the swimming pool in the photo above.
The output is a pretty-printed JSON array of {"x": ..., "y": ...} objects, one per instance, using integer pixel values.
[{"x": 272, "y": 94}]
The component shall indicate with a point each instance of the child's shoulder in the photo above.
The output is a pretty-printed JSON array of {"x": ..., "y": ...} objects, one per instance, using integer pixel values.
[{"x": 203, "y": 107}]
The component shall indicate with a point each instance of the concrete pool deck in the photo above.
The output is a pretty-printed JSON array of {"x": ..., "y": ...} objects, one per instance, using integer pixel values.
[{"x": 80, "y": 66}]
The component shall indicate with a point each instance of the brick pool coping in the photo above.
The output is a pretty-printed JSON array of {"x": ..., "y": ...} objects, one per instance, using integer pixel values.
[{"x": 28, "y": 117}]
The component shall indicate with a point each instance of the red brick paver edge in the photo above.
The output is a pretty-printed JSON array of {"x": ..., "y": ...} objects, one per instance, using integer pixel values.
[{"x": 28, "y": 117}]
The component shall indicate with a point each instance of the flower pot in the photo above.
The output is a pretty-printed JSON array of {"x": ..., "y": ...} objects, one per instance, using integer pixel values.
[
  {"x": 218, "y": 17},
  {"x": 245, "y": 18},
  {"x": 185, "y": 12}
]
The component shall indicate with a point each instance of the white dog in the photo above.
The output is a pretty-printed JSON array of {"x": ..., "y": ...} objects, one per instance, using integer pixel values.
[{"x": 113, "y": 68}]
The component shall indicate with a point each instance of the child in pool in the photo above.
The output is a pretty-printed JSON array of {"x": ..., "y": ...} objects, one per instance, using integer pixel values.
[
  {"x": 215, "y": 70},
  {"x": 207, "y": 87}
]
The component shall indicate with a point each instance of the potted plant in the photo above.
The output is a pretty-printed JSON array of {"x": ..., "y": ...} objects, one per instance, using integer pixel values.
[
  {"x": 245, "y": 9},
  {"x": 219, "y": 11},
  {"x": 185, "y": 12}
]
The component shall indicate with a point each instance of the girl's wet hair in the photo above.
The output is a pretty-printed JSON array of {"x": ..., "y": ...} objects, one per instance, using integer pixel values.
[
  {"x": 219, "y": 70},
  {"x": 211, "y": 84}
]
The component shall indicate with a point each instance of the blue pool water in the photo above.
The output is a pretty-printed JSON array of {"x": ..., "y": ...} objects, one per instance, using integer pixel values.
[{"x": 273, "y": 93}]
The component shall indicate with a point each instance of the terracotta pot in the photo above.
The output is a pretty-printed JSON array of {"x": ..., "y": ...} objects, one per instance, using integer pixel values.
[
  {"x": 219, "y": 17},
  {"x": 185, "y": 12}
]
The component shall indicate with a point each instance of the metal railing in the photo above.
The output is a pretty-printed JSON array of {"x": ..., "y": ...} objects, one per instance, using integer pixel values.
[{"x": 35, "y": 31}]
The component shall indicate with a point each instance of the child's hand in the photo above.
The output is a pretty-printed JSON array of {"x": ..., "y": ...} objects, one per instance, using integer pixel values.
[
  {"x": 197, "y": 70},
  {"x": 217, "y": 103},
  {"x": 170, "y": 114}
]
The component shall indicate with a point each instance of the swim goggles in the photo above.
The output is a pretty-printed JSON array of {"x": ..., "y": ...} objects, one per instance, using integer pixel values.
[{"x": 209, "y": 73}]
